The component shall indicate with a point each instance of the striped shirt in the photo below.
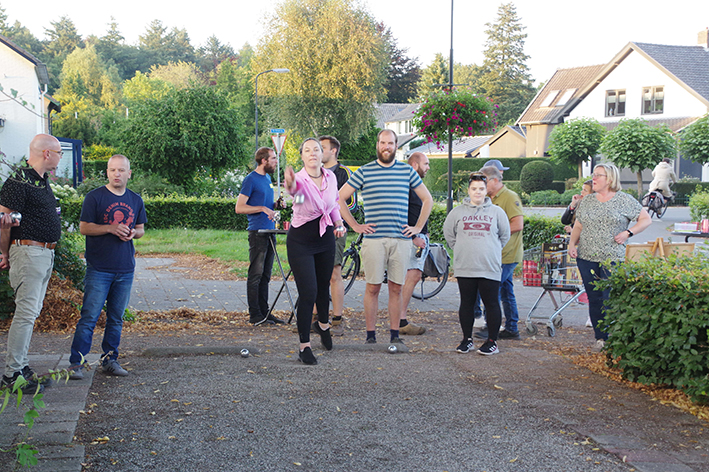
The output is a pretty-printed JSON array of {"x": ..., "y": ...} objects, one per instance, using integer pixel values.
[{"x": 385, "y": 192}]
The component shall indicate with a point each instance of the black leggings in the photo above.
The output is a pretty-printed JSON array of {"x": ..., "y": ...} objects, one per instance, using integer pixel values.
[
  {"x": 490, "y": 293},
  {"x": 311, "y": 259}
]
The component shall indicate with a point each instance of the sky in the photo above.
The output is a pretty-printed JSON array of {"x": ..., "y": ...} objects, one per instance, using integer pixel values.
[{"x": 560, "y": 33}]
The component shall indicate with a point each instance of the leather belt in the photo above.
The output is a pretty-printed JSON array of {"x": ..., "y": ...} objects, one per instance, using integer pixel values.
[{"x": 29, "y": 242}]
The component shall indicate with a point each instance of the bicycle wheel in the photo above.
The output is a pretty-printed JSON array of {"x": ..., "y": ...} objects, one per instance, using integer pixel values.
[
  {"x": 350, "y": 268},
  {"x": 430, "y": 286},
  {"x": 661, "y": 212}
]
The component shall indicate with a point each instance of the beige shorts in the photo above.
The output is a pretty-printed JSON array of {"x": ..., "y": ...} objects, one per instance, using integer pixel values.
[{"x": 385, "y": 254}]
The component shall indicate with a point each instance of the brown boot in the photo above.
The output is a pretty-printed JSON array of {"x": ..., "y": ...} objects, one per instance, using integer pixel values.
[
  {"x": 412, "y": 329},
  {"x": 338, "y": 328}
]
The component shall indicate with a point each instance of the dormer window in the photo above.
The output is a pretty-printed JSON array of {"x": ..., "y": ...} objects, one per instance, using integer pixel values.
[
  {"x": 568, "y": 93},
  {"x": 549, "y": 98},
  {"x": 615, "y": 102},
  {"x": 653, "y": 100}
]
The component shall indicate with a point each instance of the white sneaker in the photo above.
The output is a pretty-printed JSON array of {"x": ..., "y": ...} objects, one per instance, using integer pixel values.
[
  {"x": 598, "y": 347},
  {"x": 589, "y": 324}
]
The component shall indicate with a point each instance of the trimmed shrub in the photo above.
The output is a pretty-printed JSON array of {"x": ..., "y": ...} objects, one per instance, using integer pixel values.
[
  {"x": 657, "y": 322},
  {"x": 536, "y": 176},
  {"x": 699, "y": 204}
]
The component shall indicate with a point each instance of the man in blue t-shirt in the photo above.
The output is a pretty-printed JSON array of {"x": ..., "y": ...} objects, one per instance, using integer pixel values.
[
  {"x": 384, "y": 187},
  {"x": 112, "y": 216},
  {"x": 256, "y": 202}
]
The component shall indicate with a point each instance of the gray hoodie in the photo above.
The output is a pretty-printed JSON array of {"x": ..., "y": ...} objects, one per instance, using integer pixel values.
[{"x": 477, "y": 235}]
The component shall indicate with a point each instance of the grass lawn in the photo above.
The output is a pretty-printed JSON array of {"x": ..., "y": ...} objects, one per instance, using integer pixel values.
[{"x": 230, "y": 247}]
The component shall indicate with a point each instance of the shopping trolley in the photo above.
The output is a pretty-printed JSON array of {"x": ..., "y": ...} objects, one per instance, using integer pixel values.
[{"x": 549, "y": 266}]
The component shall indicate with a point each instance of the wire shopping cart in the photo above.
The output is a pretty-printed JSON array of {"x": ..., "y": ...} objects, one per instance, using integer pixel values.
[{"x": 550, "y": 267}]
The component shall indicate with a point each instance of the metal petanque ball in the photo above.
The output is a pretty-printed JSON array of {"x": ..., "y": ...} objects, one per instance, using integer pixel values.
[
  {"x": 298, "y": 198},
  {"x": 245, "y": 353},
  {"x": 392, "y": 349},
  {"x": 15, "y": 215}
]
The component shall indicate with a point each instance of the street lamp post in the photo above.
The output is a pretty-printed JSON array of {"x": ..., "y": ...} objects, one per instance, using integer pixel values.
[{"x": 278, "y": 71}]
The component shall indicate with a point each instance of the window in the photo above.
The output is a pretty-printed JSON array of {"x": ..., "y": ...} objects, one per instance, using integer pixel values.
[
  {"x": 653, "y": 100},
  {"x": 566, "y": 97},
  {"x": 549, "y": 98},
  {"x": 615, "y": 102}
]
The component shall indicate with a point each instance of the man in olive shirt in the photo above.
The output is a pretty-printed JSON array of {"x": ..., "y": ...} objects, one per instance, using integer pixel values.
[
  {"x": 512, "y": 253},
  {"x": 28, "y": 250}
]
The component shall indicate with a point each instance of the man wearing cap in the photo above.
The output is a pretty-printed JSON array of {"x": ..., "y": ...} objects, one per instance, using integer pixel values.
[{"x": 497, "y": 164}]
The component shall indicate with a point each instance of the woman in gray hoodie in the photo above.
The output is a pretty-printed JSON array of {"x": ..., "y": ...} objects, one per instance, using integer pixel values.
[{"x": 477, "y": 231}]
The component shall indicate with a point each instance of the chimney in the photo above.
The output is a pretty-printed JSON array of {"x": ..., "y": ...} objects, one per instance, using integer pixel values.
[{"x": 703, "y": 38}]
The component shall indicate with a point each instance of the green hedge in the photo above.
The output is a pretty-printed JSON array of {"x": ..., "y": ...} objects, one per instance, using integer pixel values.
[
  {"x": 686, "y": 189},
  {"x": 181, "y": 212},
  {"x": 657, "y": 321},
  {"x": 440, "y": 167}
]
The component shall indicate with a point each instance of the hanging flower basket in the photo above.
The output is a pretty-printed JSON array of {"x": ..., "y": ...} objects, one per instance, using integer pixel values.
[{"x": 460, "y": 112}]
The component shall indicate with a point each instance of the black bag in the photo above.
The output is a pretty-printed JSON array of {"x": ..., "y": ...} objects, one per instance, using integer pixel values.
[{"x": 437, "y": 261}]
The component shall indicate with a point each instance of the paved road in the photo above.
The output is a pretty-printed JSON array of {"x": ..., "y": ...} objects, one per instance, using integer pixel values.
[{"x": 191, "y": 403}]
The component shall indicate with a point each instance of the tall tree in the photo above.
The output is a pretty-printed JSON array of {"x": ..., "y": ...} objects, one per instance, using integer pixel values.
[
  {"x": 213, "y": 53},
  {"x": 337, "y": 63},
  {"x": 161, "y": 46},
  {"x": 180, "y": 74},
  {"x": 433, "y": 77},
  {"x": 635, "y": 145},
  {"x": 235, "y": 83},
  {"x": 403, "y": 72},
  {"x": 113, "y": 49},
  {"x": 506, "y": 79},
  {"x": 186, "y": 132},
  {"x": 19, "y": 34},
  {"x": 63, "y": 39},
  {"x": 85, "y": 75}
]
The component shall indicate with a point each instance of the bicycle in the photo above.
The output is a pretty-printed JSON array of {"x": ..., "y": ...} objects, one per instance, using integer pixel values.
[
  {"x": 656, "y": 203},
  {"x": 351, "y": 266}
]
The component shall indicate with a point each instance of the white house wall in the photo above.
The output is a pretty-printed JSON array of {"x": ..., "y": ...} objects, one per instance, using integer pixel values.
[
  {"x": 631, "y": 75},
  {"x": 21, "y": 124}
]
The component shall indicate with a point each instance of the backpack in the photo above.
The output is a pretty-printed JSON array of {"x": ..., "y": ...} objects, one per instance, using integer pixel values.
[{"x": 437, "y": 261}]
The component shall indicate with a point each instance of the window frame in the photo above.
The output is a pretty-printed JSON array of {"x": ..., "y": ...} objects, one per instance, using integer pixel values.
[
  {"x": 616, "y": 103},
  {"x": 653, "y": 101}
]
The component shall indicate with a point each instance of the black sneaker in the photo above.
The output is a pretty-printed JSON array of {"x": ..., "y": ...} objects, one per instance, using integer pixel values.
[
  {"x": 489, "y": 348},
  {"x": 482, "y": 334},
  {"x": 260, "y": 321},
  {"x": 28, "y": 373},
  {"x": 29, "y": 388},
  {"x": 306, "y": 357},
  {"x": 371, "y": 341},
  {"x": 273, "y": 319},
  {"x": 466, "y": 345},
  {"x": 504, "y": 334},
  {"x": 396, "y": 340},
  {"x": 325, "y": 336}
]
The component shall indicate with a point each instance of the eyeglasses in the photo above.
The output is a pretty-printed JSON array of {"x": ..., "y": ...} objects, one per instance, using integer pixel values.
[
  {"x": 598, "y": 176},
  {"x": 60, "y": 152},
  {"x": 479, "y": 176}
]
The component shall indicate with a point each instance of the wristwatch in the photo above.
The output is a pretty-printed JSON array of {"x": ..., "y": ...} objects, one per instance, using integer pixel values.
[{"x": 630, "y": 233}]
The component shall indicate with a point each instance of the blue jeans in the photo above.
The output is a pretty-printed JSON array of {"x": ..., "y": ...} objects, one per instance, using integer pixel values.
[
  {"x": 101, "y": 287},
  {"x": 590, "y": 272},
  {"x": 260, "y": 264},
  {"x": 507, "y": 298}
]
